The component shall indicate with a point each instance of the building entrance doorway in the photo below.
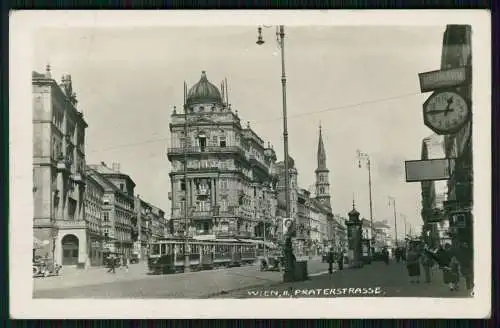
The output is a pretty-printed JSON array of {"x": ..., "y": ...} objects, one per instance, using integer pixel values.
[{"x": 70, "y": 250}]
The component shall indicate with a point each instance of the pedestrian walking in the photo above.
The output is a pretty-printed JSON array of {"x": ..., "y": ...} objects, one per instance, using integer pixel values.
[
  {"x": 465, "y": 259},
  {"x": 330, "y": 260},
  {"x": 413, "y": 264},
  {"x": 125, "y": 263},
  {"x": 450, "y": 266},
  {"x": 385, "y": 255},
  {"x": 397, "y": 254},
  {"x": 340, "y": 260},
  {"x": 427, "y": 263},
  {"x": 112, "y": 263}
]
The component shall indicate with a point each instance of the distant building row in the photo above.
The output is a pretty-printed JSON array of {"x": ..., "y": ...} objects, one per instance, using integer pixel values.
[{"x": 80, "y": 212}]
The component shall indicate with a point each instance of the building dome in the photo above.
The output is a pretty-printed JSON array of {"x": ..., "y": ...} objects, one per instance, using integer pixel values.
[{"x": 204, "y": 92}]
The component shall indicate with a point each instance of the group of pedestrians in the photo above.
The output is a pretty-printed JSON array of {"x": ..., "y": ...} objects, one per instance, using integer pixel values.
[
  {"x": 453, "y": 262},
  {"x": 114, "y": 261},
  {"x": 335, "y": 258}
]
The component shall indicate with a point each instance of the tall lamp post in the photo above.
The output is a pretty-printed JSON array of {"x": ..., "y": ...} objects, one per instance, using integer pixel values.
[
  {"x": 187, "y": 266},
  {"x": 365, "y": 158},
  {"x": 280, "y": 38},
  {"x": 392, "y": 201},
  {"x": 404, "y": 220}
]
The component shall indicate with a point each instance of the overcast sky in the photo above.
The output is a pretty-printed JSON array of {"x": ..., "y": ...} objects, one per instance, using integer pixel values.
[{"x": 361, "y": 83}]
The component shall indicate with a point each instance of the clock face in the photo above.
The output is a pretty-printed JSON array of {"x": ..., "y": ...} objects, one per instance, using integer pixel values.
[{"x": 445, "y": 112}]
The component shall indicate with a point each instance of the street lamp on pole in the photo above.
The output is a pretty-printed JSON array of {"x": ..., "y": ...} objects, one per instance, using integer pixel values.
[
  {"x": 404, "y": 220},
  {"x": 365, "y": 158},
  {"x": 280, "y": 38},
  {"x": 392, "y": 201},
  {"x": 187, "y": 265}
]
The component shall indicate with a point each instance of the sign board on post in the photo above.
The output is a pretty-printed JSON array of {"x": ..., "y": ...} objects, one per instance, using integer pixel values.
[
  {"x": 430, "y": 81},
  {"x": 429, "y": 170}
]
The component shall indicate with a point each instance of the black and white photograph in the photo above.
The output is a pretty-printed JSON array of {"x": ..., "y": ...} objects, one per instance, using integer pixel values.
[{"x": 318, "y": 164}]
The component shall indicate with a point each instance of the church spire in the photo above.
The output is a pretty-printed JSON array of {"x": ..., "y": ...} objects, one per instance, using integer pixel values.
[
  {"x": 321, "y": 151},
  {"x": 322, "y": 180}
]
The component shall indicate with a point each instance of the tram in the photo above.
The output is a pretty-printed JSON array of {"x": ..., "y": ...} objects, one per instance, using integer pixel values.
[{"x": 168, "y": 256}]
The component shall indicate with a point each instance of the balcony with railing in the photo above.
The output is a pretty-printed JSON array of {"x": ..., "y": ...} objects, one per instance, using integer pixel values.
[
  {"x": 175, "y": 151},
  {"x": 195, "y": 214},
  {"x": 258, "y": 163}
]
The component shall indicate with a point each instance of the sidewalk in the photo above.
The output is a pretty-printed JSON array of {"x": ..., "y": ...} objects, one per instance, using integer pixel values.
[
  {"x": 392, "y": 281},
  {"x": 71, "y": 276}
]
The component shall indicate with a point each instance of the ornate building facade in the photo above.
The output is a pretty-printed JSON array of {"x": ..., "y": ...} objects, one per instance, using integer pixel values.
[
  {"x": 94, "y": 194},
  {"x": 119, "y": 222},
  {"x": 230, "y": 186},
  {"x": 59, "y": 227}
]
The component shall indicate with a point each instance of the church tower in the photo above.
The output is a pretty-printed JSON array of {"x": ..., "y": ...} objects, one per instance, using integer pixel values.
[{"x": 322, "y": 183}]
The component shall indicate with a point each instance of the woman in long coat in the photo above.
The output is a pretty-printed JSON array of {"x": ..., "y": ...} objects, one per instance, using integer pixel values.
[
  {"x": 413, "y": 264},
  {"x": 450, "y": 266}
]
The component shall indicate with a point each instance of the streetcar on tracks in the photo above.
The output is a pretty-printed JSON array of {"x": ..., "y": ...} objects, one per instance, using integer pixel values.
[{"x": 167, "y": 255}]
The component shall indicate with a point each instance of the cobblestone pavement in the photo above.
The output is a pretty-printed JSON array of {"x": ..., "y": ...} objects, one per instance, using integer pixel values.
[
  {"x": 135, "y": 283},
  {"x": 375, "y": 280}
]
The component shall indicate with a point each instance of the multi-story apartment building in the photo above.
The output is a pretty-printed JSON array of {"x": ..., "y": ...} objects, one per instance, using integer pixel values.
[
  {"x": 382, "y": 235},
  {"x": 230, "y": 170},
  {"x": 366, "y": 229},
  {"x": 59, "y": 226},
  {"x": 158, "y": 223},
  {"x": 119, "y": 220},
  {"x": 94, "y": 194},
  {"x": 338, "y": 234},
  {"x": 434, "y": 194},
  {"x": 143, "y": 214}
]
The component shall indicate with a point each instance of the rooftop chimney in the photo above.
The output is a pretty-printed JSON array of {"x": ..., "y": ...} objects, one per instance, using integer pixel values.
[
  {"x": 103, "y": 164},
  {"x": 116, "y": 167},
  {"x": 47, "y": 71}
]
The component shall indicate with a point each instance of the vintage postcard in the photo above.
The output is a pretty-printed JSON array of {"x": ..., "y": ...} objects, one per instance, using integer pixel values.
[{"x": 239, "y": 164}]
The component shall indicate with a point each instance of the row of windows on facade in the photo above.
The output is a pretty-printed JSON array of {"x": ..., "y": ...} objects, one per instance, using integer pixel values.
[
  {"x": 93, "y": 194},
  {"x": 125, "y": 203},
  {"x": 71, "y": 131},
  {"x": 117, "y": 234},
  {"x": 218, "y": 141}
]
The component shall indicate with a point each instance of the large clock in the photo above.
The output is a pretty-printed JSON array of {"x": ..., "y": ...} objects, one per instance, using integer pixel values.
[{"x": 445, "y": 112}]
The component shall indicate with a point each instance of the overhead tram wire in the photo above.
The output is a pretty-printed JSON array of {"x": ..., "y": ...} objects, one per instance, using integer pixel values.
[{"x": 360, "y": 104}]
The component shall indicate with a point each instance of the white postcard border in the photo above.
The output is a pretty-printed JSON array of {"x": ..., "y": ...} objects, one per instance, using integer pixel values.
[{"x": 22, "y": 25}]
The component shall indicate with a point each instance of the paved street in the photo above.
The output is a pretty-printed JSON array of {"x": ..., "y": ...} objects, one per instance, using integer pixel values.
[
  {"x": 375, "y": 280},
  {"x": 135, "y": 283}
]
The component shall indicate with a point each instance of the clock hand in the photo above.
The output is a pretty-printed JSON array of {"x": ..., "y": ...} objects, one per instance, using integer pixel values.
[
  {"x": 448, "y": 109},
  {"x": 436, "y": 111}
]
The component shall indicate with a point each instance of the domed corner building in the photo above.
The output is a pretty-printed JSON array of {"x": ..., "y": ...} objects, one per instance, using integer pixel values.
[
  {"x": 230, "y": 169},
  {"x": 204, "y": 93}
]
